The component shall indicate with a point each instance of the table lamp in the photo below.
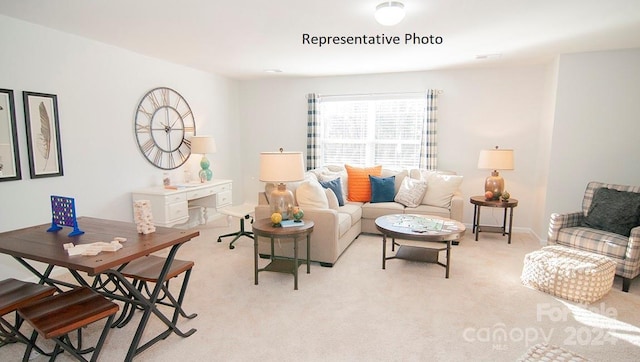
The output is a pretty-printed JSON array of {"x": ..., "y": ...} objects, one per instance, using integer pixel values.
[
  {"x": 204, "y": 145},
  {"x": 280, "y": 168},
  {"x": 495, "y": 159}
]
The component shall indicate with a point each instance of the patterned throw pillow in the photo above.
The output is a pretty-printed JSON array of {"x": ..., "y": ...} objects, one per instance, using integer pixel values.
[
  {"x": 382, "y": 188},
  {"x": 411, "y": 192},
  {"x": 358, "y": 181}
]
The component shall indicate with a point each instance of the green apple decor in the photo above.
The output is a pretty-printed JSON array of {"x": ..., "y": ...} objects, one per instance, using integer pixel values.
[
  {"x": 505, "y": 196},
  {"x": 297, "y": 214}
]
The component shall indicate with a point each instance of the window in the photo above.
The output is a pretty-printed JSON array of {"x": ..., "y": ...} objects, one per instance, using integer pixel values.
[{"x": 371, "y": 130}]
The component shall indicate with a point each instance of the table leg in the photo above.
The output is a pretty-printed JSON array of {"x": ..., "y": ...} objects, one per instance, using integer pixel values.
[
  {"x": 255, "y": 259},
  {"x": 448, "y": 258},
  {"x": 477, "y": 222},
  {"x": 308, "y": 253},
  {"x": 504, "y": 222},
  {"x": 475, "y": 210},
  {"x": 295, "y": 263},
  {"x": 510, "y": 222},
  {"x": 150, "y": 307},
  {"x": 384, "y": 250}
]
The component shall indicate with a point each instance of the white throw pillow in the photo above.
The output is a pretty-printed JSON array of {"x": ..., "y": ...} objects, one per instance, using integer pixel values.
[
  {"x": 332, "y": 199},
  {"x": 310, "y": 194},
  {"x": 411, "y": 192},
  {"x": 440, "y": 189}
]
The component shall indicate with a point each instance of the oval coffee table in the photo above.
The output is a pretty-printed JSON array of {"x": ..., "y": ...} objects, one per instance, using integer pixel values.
[{"x": 425, "y": 228}]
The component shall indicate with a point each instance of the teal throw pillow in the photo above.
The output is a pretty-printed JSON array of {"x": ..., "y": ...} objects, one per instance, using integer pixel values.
[
  {"x": 382, "y": 188},
  {"x": 614, "y": 211},
  {"x": 336, "y": 186}
]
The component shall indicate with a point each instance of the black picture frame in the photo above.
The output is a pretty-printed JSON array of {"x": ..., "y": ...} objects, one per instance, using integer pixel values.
[
  {"x": 9, "y": 151},
  {"x": 43, "y": 134}
]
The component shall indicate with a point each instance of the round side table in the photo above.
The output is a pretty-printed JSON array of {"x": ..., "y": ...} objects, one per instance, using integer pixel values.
[
  {"x": 480, "y": 201},
  {"x": 265, "y": 228}
]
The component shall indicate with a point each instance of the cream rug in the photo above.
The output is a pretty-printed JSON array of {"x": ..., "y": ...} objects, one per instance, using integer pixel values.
[{"x": 356, "y": 311}]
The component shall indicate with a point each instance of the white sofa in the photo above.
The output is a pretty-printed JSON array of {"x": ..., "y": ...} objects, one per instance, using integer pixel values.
[{"x": 336, "y": 227}]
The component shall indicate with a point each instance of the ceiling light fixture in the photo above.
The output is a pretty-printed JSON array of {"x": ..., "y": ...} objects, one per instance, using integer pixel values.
[{"x": 389, "y": 13}]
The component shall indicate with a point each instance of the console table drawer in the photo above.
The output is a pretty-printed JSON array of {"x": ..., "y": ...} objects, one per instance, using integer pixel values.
[
  {"x": 172, "y": 199},
  {"x": 198, "y": 194},
  {"x": 177, "y": 211},
  {"x": 223, "y": 198}
]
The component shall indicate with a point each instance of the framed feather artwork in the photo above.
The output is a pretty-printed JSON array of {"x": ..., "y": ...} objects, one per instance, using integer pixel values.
[
  {"x": 9, "y": 157},
  {"x": 43, "y": 134}
]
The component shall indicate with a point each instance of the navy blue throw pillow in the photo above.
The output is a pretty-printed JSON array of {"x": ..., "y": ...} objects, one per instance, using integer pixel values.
[
  {"x": 336, "y": 187},
  {"x": 382, "y": 188}
]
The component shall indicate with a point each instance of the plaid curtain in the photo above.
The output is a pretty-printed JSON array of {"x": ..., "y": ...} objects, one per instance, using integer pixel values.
[
  {"x": 429, "y": 139},
  {"x": 313, "y": 132}
]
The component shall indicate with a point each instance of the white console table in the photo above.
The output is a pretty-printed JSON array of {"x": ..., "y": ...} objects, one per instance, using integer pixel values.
[{"x": 171, "y": 207}]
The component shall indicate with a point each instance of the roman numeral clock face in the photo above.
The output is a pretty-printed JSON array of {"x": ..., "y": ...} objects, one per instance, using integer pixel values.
[{"x": 164, "y": 125}]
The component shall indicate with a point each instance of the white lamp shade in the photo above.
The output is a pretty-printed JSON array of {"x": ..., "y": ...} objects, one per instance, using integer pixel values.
[
  {"x": 496, "y": 159},
  {"x": 389, "y": 13},
  {"x": 203, "y": 144},
  {"x": 281, "y": 166}
]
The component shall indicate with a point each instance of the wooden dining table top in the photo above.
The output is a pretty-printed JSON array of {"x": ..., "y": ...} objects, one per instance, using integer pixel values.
[{"x": 35, "y": 243}]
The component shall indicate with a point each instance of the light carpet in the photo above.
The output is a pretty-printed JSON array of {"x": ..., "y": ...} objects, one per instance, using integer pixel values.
[{"x": 356, "y": 311}]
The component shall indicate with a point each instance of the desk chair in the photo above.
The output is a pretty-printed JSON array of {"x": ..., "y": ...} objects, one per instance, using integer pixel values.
[
  {"x": 243, "y": 212},
  {"x": 15, "y": 294}
]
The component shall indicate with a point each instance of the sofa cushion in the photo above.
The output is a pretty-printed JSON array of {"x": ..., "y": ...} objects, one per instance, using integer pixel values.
[
  {"x": 310, "y": 194},
  {"x": 344, "y": 223},
  {"x": 375, "y": 210},
  {"x": 336, "y": 186},
  {"x": 595, "y": 240},
  {"x": 382, "y": 188},
  {"x": 440, "y": 189},
  {"x": 428, "y": 210},
  {"x": 353, "y": 209},
  {"x": 614, "y": 211},
  {"x": 411, "y": 192},
  {"x": 358, "y": 181}
]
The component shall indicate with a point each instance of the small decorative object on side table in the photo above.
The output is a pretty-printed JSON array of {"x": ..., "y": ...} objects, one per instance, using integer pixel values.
[
  {"x": 265, "y": 228},
  {"x": 297, "y": 214},
  {"x": 508, "y": 203}
]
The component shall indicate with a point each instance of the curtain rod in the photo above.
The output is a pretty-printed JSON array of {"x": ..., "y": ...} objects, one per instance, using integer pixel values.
[{"x": 439, "y": 91}]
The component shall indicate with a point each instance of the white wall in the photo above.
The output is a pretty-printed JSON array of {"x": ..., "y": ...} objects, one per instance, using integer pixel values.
[
  {"x": 596, "y": 128},
  {"x": 479, "y": 109},
  {"x": 98, "y": 88}
]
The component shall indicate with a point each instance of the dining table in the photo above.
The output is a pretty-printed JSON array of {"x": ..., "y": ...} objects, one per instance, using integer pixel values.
[{"x": 101, "y": 272}]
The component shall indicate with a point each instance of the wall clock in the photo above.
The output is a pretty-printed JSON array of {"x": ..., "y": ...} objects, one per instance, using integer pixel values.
[{"x": 164, "y": 125}]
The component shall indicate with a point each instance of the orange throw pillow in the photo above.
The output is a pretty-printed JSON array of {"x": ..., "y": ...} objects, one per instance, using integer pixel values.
[{"x": 358, "y": 182}]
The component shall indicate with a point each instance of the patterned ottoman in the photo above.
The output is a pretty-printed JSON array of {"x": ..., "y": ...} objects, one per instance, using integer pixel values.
[
  {"x": 550, "y": 353},
  {"x": 569, "y": 273}
]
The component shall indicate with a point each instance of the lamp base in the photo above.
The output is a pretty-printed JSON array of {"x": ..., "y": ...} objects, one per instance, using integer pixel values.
[
  {"x": 205, "y": 174},
  {"x": 282, "y": 201},
  {"x": 495, "y": 184}
]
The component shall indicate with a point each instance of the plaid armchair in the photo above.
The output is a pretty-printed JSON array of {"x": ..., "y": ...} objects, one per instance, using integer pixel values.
[{"x": 567, "y": 230}]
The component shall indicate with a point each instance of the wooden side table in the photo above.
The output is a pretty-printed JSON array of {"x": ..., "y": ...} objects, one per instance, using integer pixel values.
[
  {"x": 264, "y": 227},
  {"x": 480, "y": 201}
]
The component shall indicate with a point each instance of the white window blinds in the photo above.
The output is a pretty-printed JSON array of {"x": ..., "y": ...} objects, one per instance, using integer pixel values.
[{"x": 372, "y": 130}]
